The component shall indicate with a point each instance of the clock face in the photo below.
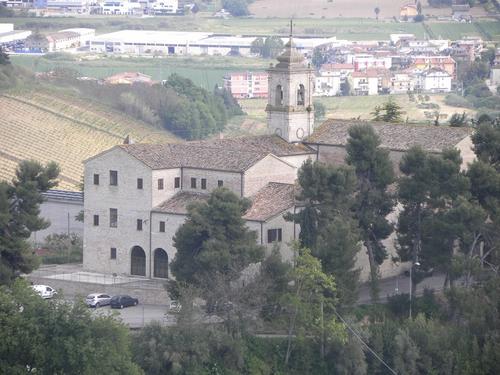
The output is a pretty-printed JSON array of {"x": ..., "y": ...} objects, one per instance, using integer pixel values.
[{"x": 300, "y": 133}]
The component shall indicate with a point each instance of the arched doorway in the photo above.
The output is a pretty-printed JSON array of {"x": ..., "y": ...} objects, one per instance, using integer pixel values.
[
  {"x": 138, "y": 261},
  {"x": 161, "y": 264}
]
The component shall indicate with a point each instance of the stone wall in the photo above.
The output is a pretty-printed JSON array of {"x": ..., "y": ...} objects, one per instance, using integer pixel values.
[{"x": 269, "y": 169}]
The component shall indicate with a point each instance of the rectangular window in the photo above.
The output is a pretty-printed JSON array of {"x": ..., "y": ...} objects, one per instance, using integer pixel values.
[
  {"x": 193, "y": 183},
  {"x": 113, "y": 178},
  {"x": 220, "y": 183},
  {"x": 113, "y": 217},
  {"x": 204, "y": 183},
  {"x": 96, "y": 220},
  {"x": 162, "y": 226},
  {"x": 139, "y": 224},
  {"x": 177, "y": 182},
  {"x": 160, "y": 184},
  {"x": 140, "y": 184},
  {"x": 113, "y": 253},
  {"x": 96, "y": 179},
  {"x": 274, "y": 235}
]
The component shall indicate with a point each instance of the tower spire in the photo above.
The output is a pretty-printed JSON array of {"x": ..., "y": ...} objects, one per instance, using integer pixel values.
[{"x": 291, "y": 28}]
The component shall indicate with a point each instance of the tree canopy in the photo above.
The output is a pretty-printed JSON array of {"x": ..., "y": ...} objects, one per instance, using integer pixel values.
[{"x": 19, "y": 216}]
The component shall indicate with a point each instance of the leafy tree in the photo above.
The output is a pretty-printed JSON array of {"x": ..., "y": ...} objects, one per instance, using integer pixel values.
[
  {"x": 309, "y": 303},
  {"x": 257, "y": 46},
  {"x": 237, "y": 8},
  {"x": 428, "y": 189},
  {"x": 63, "y": 248},
  {"x": 319, "y": 57},
  {"x": 273, "y": 46},
  {"x": 345, "y": 88},
  {"x": 377, "y": 11},
  {"x": 390, "y": 111},
  {"x": 486, "y": 141},
  {"x": 59, "y": 338},
  {"x": 214, "y": 245},
  {"x": 406, "y": 354},
  {"x": 373, "y": 202},
  {"x": 351, "y": 359},
  {"x": 319, "y": 111},
  {"x": 337, "y": 248},
  {"x": 4, "y": 58},
  {"x": 458, "y": 120},
  {"x": 19, "y": 216},
  {"x": 419, "y": 7}
]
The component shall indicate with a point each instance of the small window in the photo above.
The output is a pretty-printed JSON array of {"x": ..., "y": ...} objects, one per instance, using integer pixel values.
[
  {"x": 113, "y": 178},
  {"x": 96, "y": 220},
  {"x": 140, "y": 183},
  {"x": 96, "y": 179},
  {"x": 177, "y": 182},
  {"x": 193, "y": 183},
  {"x": 220, "y": 183},
  {"x": 162, "y": 226},
  {"x": 160, "y": 184},
  {"x": 113, "y": 253},
  {"x": 139, "y": 224},
  {"x": 113, "y": 217},
  {"x": 204, "y": 183},
  {"x": 274, "y": 235}
]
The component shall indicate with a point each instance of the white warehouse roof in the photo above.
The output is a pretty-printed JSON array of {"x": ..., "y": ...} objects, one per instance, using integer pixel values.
[{"x": 147, "y": 36}]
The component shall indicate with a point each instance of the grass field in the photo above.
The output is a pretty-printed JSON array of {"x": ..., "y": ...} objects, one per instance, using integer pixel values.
[
  {"x": 205, "y": 72},
  {"x": 342, "y": 28},
  {"x": 351, "y": 107},
  {"x": 46, "y": 126}
]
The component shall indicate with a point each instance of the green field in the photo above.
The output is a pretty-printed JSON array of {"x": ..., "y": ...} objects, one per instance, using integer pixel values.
[
  {"x": 342, "y": 28},
  {"x": 205, "y": 72},
  {"x": 353, "y": 107}
]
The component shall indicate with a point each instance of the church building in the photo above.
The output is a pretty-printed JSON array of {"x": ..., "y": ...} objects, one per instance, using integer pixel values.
[{"x": 136, "y": 194}]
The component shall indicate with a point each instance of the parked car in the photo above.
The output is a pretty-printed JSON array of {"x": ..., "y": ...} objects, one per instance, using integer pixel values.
[
  {"x": 44, "y": 291},
  {"x": 122, "y": 300},
  {"x": 97, "y": 300}
]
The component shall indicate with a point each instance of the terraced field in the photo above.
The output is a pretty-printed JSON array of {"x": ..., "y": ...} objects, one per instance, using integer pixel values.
[{"x": 44, "y": 127}]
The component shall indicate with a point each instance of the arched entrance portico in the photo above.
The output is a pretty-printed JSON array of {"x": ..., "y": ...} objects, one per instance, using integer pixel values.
[
  {"x": 138, "y": 261},
  {"x": 160, "y": 264}
]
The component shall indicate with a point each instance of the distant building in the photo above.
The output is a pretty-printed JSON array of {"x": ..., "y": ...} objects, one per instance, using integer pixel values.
[
  {"x": 433, "y": 81},
  {"x": 52, "y": 42},
  {"x": 75, "y": 6},
  {"x": 365, "y": 83},
  {"x": 123, "y": 8},
  {"x": 61, "y": 209},
  {"x": 330, "y": 77},
  {"x": 247, "y": 84},
  {"x": 9, "y": 35},
  {"x": 408, "y": 11},
  {"x": 445, "y": 63},
  {"x": 402, "y": 83},
  {"x": 161, "y": 7},
  {"x": 363, "y": 62},
  {"x": 129, "y": 78},
  {"x": 19, "y": 3}
]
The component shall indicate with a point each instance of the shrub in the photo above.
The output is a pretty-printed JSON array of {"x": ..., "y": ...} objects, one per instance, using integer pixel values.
[{"x": 455, "y": 100}]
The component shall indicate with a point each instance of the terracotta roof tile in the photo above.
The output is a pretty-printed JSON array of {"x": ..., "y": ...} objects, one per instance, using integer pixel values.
[
  {"x": 398, "y": 137},
  {"x": 265, "y": 144},
  {"x": 188, "y": 155},
  {"x": 271, "y": 200}
]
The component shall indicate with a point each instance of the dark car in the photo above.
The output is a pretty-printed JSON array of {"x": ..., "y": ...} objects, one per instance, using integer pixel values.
[{"x": 122, "y": 300}]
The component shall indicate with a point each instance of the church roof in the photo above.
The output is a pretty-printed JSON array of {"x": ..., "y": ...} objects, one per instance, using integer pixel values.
[
  {"x": 397, "y": 137},
  {"x": 273, "y": 144},
  {"x": 268, "y": 202},
  {"x": 189, "y": 155},
  {"x": 179, "y": 202}
]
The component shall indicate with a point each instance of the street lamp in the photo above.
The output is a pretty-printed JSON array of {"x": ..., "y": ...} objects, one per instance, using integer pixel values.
[{"x": 415, "y": 264}]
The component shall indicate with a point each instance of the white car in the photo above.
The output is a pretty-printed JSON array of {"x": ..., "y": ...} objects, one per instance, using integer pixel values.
[
  {"x": 44, "y": 291},
  {"x": 97, "y": 299}
]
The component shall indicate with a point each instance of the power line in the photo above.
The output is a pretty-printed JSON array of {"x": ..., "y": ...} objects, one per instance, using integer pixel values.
[{"x": 353, "y": 331}]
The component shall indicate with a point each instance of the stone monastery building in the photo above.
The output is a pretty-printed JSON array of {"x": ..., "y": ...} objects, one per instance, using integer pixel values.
[{"x": 136, "y": 194}]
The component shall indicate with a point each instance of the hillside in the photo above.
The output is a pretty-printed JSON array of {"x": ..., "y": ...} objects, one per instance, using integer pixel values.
[{"x": 45, "y": 126}]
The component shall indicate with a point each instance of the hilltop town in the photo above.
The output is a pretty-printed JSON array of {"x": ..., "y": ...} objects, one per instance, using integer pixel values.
[{"x": 249, "y": 187}]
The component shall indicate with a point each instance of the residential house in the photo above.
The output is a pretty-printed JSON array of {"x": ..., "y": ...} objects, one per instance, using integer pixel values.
[
  {"x": 408, "y": 11},
  {"x": 247, "y": 84},
  {"x": 365, "y": 83},
  {"x": 445, "y": 63},
  {"x": 433, "y": 81},
  {"x": 402, "y": 83},
  {"x": 53, "y": 42},
  {"x": 330, "y": 77}
]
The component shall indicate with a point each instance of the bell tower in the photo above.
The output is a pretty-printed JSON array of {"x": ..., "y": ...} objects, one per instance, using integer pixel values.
[{"x": 290, "y": 111}]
